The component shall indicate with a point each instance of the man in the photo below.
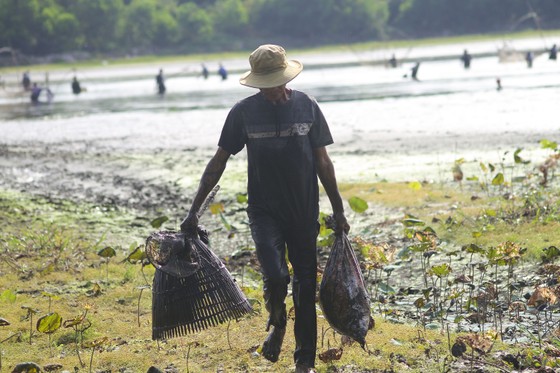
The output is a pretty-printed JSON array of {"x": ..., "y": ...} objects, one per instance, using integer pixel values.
[
  {"x": 466, "y": 58},
  {"x": 160, "y": 82},
  {"x": 35, "y": 93},
  {"x": 285, "y": 133},
  {"x": 76, "y": 87},
  {"x": 222, "y": 72}
]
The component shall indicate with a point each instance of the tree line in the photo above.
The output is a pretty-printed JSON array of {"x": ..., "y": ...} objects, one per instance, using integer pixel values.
[{"x": 136, "y": 27}]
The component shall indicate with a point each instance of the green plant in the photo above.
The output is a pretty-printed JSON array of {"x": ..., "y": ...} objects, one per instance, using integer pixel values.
[{"x": 49, "y": 324}]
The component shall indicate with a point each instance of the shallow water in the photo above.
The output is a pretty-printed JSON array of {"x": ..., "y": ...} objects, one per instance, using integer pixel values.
[{"x": 385, "y": 125}]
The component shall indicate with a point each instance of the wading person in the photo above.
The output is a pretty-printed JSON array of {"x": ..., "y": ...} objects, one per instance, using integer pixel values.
[
  {"x": 160, "y": 82},
  {"x": 285, "y": 134},
  {"x": 76, "y": 87}
]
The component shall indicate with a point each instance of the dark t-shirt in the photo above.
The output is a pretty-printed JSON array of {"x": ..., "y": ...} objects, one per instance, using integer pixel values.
[{"x": 282, "y": 179}]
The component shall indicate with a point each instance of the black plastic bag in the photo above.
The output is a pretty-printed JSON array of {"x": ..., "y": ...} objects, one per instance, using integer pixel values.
[{"x": 342, "y": 293}]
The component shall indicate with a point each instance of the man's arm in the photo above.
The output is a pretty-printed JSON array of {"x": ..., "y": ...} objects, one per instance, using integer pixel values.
[
  {"x": 325, "y": 170},
  {"x": 212, "y": 174}
]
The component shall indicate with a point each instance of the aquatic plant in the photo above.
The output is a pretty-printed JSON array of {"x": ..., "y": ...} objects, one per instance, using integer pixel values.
[
  {"x": 48, "y": 324},
  {"x": 80, "y": 324},
  {"x": 93, "y": 345}
]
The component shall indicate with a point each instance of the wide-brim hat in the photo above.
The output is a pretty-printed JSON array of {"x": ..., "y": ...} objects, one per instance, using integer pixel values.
[{"x": 270, "y": 68}]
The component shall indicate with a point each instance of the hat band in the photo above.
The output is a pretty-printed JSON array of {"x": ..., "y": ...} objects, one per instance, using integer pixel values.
[{"x": 270, "y": 71}]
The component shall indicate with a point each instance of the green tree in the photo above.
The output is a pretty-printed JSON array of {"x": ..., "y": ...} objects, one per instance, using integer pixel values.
[
  {"x": 196, "y": 26},
  {"x": 231, "y": 17},
  {"x": 18, "y": 24},
  {"x": 98, "y": 23},
  {"x": 322, "y": 20},
  {"x": 61, "y": 30},
  {"x": 137, "y": 27}
]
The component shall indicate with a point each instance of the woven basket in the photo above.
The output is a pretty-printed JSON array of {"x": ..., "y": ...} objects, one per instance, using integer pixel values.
[{"x": 187, "y": 304}]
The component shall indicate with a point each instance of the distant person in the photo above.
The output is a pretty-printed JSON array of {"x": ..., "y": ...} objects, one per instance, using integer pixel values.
[
  {"x": 26, "y": 81},
  {"x": 529, "y": 59},
  {"x": 222, "y": 72},
  {"x": 36, "y": 93},
  {"x": 160, "y": 82},
  {"x": 553, "y": 52},
  {"x": 466, "y": 58},
  {"x": 393, "y": 61},
  {"x": 76, "y": 87},
  {"x": 414, "y": 71},
  {"x": 204, "y": 71},
  {"x": 498, "y": 84}
]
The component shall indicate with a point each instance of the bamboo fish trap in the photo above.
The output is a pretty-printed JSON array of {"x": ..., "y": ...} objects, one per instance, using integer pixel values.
[{"x": 192, "y": 290}]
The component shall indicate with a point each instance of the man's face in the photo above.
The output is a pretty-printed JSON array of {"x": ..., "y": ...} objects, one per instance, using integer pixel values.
[{"x": 276, "y": 95}]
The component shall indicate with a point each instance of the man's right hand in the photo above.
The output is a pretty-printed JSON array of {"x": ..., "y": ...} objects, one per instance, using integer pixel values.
[{"x": 190, "y": 224}]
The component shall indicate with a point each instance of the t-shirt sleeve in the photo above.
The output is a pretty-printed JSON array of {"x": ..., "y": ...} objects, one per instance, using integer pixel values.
[
  {"x": 233, "y": 135},
  {"x": 320, "y": 134}
]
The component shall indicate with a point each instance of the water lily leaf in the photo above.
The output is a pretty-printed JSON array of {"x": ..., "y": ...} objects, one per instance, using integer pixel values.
[
  {"x": 415, "y": 185},
  {"x": 216, "y": 208},
  {"x": 242, "y": 198},
  {"x": 158, "y": 222},
  {"x": 411, "y": 222},
  {"x": 30, "y": 310},
  {"x": 517, "y": 159},
  {"x": 357, "y": 204},
  {"x": 498, "y": 179},
  {"x": 95, "y": 343},
  {"x": 8, "y": 296},
  {"x": 459, "y": 348},
  {"x": 330, "y": 355},
  {"x": 490, "y": 212},
  {"x": 137, "y": 255},
  {"x": 420, "y": 302},
  {"x": 383, "y": 287},
  {"x": 441, "y": 270},
  {"x": 550, "y": 253},
  {"x": 28, "y": 367},
  {"x": 52, "y": 367},
  {"x": 73, "y": 322},
  {"x": 404, "y": 253},
  {"x": 107, "y": 252},
  {"x": 49, "y": 323},
  {"x": 476, "y": 234},
  {"x": 50, "y": 295},
  {"x": 547, "y": 144}
]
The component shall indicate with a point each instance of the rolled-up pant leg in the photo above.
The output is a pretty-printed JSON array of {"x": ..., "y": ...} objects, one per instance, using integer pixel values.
[
  {"x": 303, "y": 257},
  {"x": 271, "y": 253}
]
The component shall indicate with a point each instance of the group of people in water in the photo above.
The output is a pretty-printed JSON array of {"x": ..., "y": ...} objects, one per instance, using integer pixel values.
[
  {"x": 35, "y": 90},
  {"x": 466, "y": 59},
  {"x": 160, "y": 80}
]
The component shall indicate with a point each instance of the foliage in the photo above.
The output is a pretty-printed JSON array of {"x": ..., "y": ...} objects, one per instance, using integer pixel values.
[{"x": 172, "y": 26}]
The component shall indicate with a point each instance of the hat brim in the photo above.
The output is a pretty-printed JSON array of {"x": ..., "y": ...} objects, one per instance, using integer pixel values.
[{"x": 271, "y": 80}]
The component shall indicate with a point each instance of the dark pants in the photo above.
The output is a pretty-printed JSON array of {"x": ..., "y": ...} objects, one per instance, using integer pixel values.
[{"x": 271, "y": 240}]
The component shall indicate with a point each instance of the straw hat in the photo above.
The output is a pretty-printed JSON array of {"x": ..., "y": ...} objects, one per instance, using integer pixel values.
[{"x": 270, "y": 68}]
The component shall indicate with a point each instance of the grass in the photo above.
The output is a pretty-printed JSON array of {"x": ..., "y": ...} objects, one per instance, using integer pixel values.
[
  {"x": 50, "y": 261},
  {"x": 434, "y": 203}
]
